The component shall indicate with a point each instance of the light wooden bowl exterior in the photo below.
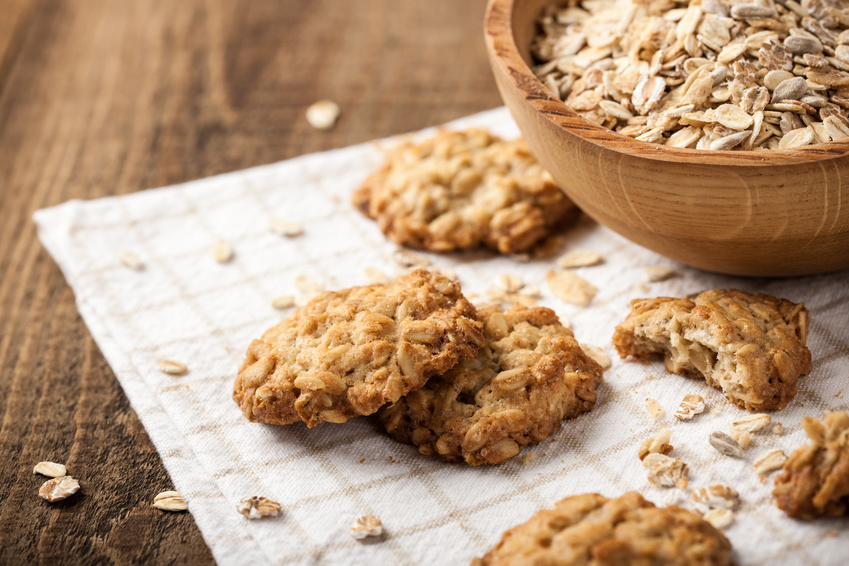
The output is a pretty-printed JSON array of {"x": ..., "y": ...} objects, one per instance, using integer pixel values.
[{"x": 767, "y": 213}]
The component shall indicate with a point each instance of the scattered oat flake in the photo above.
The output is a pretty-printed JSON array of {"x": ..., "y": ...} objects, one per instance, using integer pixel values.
[
  {"x": 221, "y": 251},
  {"x": 752, "y": 423},
  {"x": 597, "y": 354},
  {"x": 658, "y": 444},
  {"x": 742, "y": 436},
  {"x": 714, "y": 497},
  {"x": 407, "y": 258},
  {"x": 528, "y": 457},
  {"x": 285, "y": 227},
  {"x": 570, "y": 288},
  {"x": 374, "y": 276},
  {"x": 658, "y": 273},
  {"x": 57, "y": 489},
  {"x": 668, "y": 472},
  {"x": 777, "y": 429},
  {"x": 654, "y": 408},
  {"x": 170, "y": 501},
  {"x": 306, "y": 284},
  {"x": 172, "y": 367},
  {"x": 726, "y": 445},
  {"x": 131, "y": 260},
  {"x": 322, "y": 115},
  {"x": 579, "y": 258},
  {"x": 691, "y": 406},
  {"x": 50, "y": 469},
  {"x": 366, "y": 526},
  {"x": 509, "y": 282},
  {"x": 258, "y": 507},
  {"x": 719, "y": 518},
  {"x": 283, "y": 302},
  {"x": 769, "y": 461}
]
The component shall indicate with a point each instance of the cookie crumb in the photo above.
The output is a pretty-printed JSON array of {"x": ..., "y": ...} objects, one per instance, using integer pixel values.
[
  {"x": 777, "y": 429},
  {"x": 658, "y": 444},
  {"x": 258, "y": 507},
  {"x": 322, "y": 115},
  {"x": 528, "y": 457},
  {"x": 366, "y": 526},
  {"x": 654, "y": 408}
]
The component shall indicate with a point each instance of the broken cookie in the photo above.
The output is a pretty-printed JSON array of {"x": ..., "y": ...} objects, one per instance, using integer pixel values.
[
  {"x": 752, "y": 346},
  {"x": 530, "y": 375}
]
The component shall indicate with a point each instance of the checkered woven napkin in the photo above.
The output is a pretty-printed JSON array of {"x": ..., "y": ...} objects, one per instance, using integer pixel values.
[{"x": 184, "y": 306}]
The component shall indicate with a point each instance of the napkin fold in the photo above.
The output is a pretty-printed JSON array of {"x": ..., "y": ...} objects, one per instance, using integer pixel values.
[{"x": 182, "y": 305}]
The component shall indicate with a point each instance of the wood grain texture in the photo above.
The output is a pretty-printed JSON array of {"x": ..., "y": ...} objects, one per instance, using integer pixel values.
[
  {"x": 106, "y": 97},
  {"x": 776, "y": 213}
]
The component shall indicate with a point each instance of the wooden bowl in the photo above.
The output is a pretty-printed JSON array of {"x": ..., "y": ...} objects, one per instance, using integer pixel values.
[{"x": 779, "y": 212}]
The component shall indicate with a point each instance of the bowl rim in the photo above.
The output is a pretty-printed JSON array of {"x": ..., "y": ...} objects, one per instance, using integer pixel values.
[{"x": 503, "y": 51}]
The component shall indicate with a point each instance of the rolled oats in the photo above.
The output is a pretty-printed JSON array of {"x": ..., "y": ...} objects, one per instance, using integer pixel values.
[
  {"x": 579, "y": 258},
  {"x": 131, "y": 260},
  {"x": 283, "y": 302},
  {"x": 691, "y": 406},
  {"x": 322, "y": 115},
  {"x": 172, "y": 367},
  {"x": 633, "y": 66},
  {"x": 221, "y": 251},
  {"x": 668, "y": 472},
  {"x": 258, "y": 507},
  {"x": 719, "y": 518},
  {"x": 570, "y": 288},
  {"x": 366, "y": 526},
  {"x": 407, "y": 258},
  {"x": 597, "y": 354},
  {"x": 170, "y": 501},
  {"x": 714, "y": 497},
  {"x": 753, "y": 423},
  {"x": 658, "y": 444},
  {"x": 769, "y": 461},
  {"x": 57, "y": 489},
  {"x": 374, "y": 275},
  {"x": 657, "y": 273},
  {"x": 285, "y": 227},
  {"x": 50, "y": 469}
]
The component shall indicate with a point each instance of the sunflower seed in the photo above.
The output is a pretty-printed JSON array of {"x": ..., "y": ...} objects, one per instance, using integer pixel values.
[{"x": 726, "y": 445}]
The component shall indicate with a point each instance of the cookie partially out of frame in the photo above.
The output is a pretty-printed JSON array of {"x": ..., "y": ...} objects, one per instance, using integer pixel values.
[
  {"x": 530, "y": 375},
  {"x": 593, "y": 530},
  {"x": 347, "y": 353},
  {"x": 752, "y": 346},
  {"x": 459, "y": 190},
  {"x": 815, "y": 480}
]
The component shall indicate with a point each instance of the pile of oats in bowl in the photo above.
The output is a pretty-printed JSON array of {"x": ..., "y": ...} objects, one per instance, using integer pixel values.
[{"x": 709, "y": 74}]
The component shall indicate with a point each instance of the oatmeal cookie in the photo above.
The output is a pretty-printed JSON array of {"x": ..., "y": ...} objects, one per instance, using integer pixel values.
[
  {"x": 458, "y": 190},
  {"x": 530, "y": 375},
  {"x": 347, "y": 353},
  {"x": 593, "y": 530},
  {"x": 750, "y": 346},
  {"x": 815, "y": 480}
]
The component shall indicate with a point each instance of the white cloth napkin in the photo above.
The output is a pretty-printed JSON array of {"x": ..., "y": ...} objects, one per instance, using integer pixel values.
[{"x": 184, "y": 306}]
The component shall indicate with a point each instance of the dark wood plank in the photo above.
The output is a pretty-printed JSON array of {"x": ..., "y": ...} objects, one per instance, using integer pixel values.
[
  {"x": 15, "y": 16},
  {"x": 107, "y": 97}
]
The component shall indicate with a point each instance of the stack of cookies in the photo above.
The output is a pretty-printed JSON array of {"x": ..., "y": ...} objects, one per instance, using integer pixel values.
[{"x": 454, "y": 381}]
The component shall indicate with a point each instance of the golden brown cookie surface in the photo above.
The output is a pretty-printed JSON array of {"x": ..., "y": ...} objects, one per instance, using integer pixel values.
[
  {"x": 530, "y": 375},
  {"x": 815, "y": 480},
  {"x": 593, "y": 530},
  {"x": 752, "y": 346},
  {"x": 459, "y": 190},
  {"x": 347, "y": 353}
]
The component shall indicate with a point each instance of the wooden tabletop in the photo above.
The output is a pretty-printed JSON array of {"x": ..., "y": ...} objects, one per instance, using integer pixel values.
[{"x": 107, "y": 97}]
